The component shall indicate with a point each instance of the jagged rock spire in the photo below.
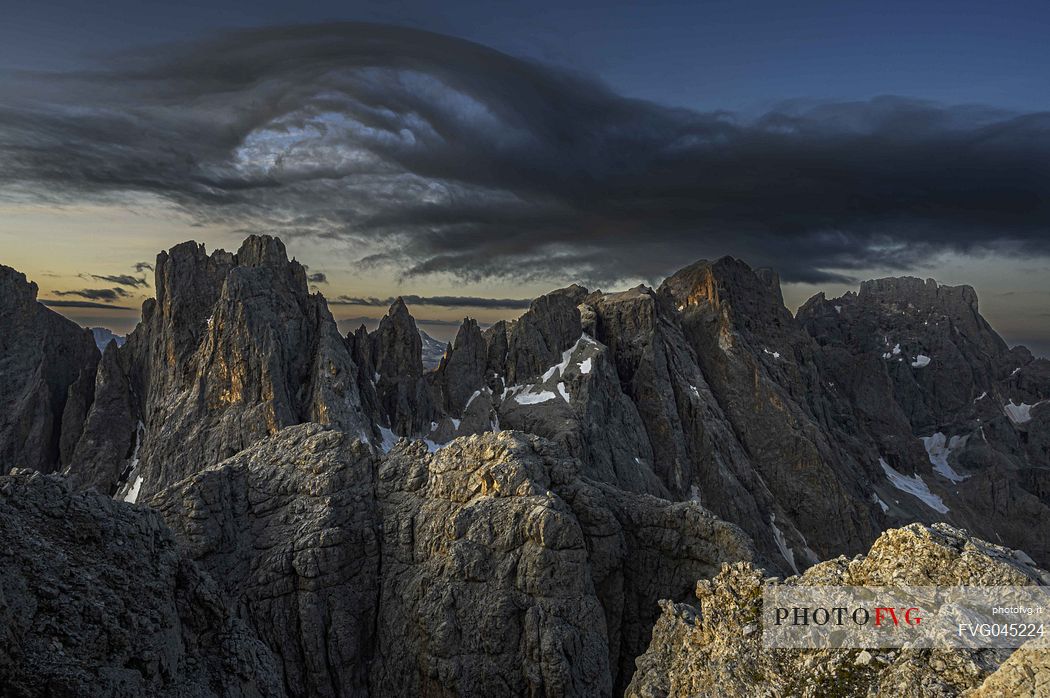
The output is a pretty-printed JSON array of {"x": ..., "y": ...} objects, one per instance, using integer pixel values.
[{"x": 397, "y": 349}]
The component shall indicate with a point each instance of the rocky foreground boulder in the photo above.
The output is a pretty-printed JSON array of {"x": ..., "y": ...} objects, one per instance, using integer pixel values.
[
  {"x": 488, "y": 568},
  {"x": 98, "y": 599},
  {"x": 712, "y": 647}
]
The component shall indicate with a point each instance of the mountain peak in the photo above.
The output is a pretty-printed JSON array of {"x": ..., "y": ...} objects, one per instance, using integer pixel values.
[
  {"x": 14, "y": 283},
  {"x": 262, "y": 251},
  {"x": 398, "y": 308}
]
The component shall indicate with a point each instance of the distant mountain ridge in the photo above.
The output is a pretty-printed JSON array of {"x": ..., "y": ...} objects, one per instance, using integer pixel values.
[
  {"x": 433, "y": 351},
  {"x": 597, "y": 426},
  {"x": 894, "y": 404},
  {"x": 104, "y": 336}
]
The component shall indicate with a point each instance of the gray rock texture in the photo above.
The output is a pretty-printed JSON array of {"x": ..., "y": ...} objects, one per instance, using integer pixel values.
[
  {"x": 47, "y": 368},
  {"x": 915, "y": 360},
  {"x": 233, "y": 349},
  {"x": 97, "y": 599},
  {"x": 562, "y": 472},
  {"x": 397, "y": 352},
  {"x": 711, "y": 647},
  {"x": 289, "y": 528},
  {"x": 488, "y": 568}
]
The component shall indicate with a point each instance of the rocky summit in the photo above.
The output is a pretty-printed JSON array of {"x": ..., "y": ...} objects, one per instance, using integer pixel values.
[{"x": 239, "y": 500}]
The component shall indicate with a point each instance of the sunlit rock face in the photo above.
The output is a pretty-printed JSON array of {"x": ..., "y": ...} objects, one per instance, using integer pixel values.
[
  {"x": 47, "y": 371},
  {"x": 232, "y": 349},
  {"x": 814, "y": 433},
  {"x": 712, "y": 646},
  {"x": 492, "y": 567}
]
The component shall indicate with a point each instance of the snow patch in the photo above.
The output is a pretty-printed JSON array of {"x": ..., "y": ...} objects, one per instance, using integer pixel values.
[
  {"x": 564, "y": 363},
  {"x": 455, "y": 422},
  {"x": 914, "y": 486},
  {"x": 132, "y": 467},
  {"x": 389, "y": 439},
  {"x": 774, "y": 354},
  {"x": 1019, "y": 414},
  {"x": 981, "y": 396},
  {"x": 563, "y": 392},
  {"x": 133, "y": 494},
  {"x": 470, "y": 399},
  {"x": 938, "y": 448},
  {"x": 434, "y": 446},
  {"x": 566, "y": 356},
  {"x": 921, "y": 361},
  {"x": 875, "y": 498},
  {"x": 781, "y": 541},
  {"x": 527, "y": 398}
]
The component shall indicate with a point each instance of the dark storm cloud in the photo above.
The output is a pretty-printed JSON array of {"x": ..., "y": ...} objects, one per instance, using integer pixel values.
[
  {"x": 440, "y": 301},
  {"x": 108, "y": 295},
  {"x": 440, "y": 156},
  {"x": 122, "y": 279},
  {"x": 317, "y": 277},
  {"x": 143, "y": 266},
  {"x": 81, "y": 304}
]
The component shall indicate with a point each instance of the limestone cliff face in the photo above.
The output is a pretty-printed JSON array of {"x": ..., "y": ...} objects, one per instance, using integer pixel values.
[
  {"x": 47, "y": 369},
  {"x": 764, "y": 372},
  {"x": 712, "y": 647},
  {"x": 928, "y": 380},
  {"x": 490, "y": 567},
  {"x": 110, "y": 434},
  {"x": 397, "y": 351},
  {"x": 290, "y": 530},
  {"x": 895, "y": 404},
  {"x": 708, "y": 388},
  {"x": 562, "y": 473},
  {"x": 97, "y": 599},
  {"x": 233, "y": 349}
]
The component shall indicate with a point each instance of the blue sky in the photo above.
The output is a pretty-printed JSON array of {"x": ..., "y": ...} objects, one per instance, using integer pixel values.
[{"x": 704, "y": 55}]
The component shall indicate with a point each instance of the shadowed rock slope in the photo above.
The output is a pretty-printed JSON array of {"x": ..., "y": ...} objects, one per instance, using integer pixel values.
[
  {"x": 949, "y": 406},
  {"x": 97, "y": 599},
  {"x": 489, "y": 568},
  {"x": 47, "y": 378}
]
